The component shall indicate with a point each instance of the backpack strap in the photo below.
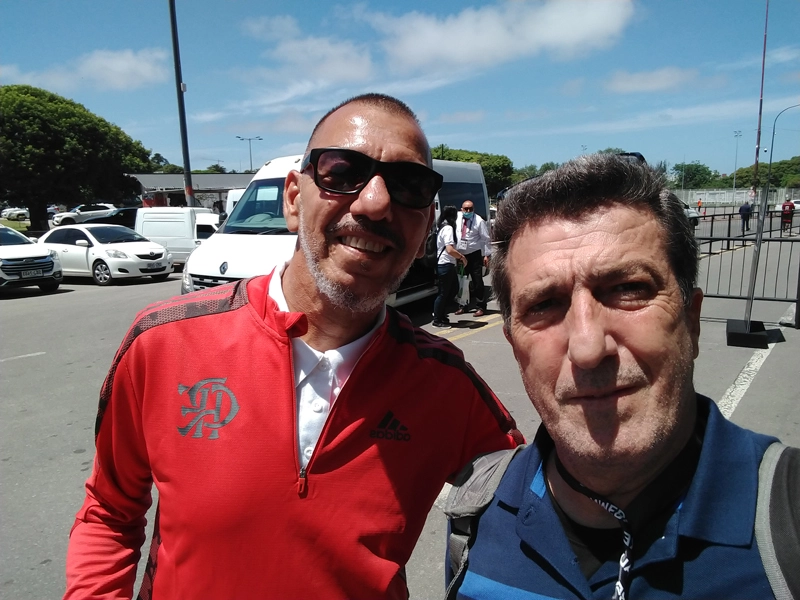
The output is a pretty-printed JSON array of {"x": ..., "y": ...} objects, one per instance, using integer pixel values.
[
  {"x": 471, "y": 493},
  {"x": 777, "y": 525}
]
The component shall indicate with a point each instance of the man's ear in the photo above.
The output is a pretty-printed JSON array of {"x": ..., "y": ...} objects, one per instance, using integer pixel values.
[
  {"x": 693, "y": 316},
  {"x": 421, "y": 249},
  {"x": 291, "y": 200}
]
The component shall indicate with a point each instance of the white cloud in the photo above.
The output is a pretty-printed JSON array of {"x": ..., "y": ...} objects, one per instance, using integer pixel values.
[
  {"x": 574, "y": 87},
  {"x": 102, "y": 69},
  {"x": 271, "y": 28},
  {"x": 667, "y": 117},
  {"x": 492, "y": 35},
  {"x": 668, "y": 78},
  {"x": 324, "y": 59},
  {"x": 474, "y": 116},
  {"x": 777, "y": 56}
]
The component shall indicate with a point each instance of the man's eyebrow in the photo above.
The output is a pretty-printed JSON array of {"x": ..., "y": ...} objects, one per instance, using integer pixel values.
[{"x": 628, "y": 269}]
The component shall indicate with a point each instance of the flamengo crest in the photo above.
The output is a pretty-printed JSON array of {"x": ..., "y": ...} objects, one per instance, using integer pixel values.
[{"x": 212, "y": 404}]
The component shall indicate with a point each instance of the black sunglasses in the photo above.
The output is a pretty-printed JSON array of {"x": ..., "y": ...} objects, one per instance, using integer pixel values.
[{"x": 344, "y": 171}]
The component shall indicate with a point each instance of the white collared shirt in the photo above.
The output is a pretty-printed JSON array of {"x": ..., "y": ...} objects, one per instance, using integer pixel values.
[
  {"x": 318, "y": 376},
  {"x": 473, "y": 234}
]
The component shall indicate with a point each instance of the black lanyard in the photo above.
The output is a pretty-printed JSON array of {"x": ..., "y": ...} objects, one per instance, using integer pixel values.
[{"x": 623, "y": 584}]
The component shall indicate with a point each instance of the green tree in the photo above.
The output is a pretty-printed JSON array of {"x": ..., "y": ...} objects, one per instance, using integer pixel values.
[
  {"x": 497, "y": 168},
  {"x": 611, "y": 150},
  {"x": 215, "y": 168},
  {"x": 523, "y": 173},
  {"x": 693, "y": 175},
  {"x": 158, "y": 162},
  {"x": 172, "y": 169},
  {"x": 548, "y": 166},
  {"x": 54, "y": 150}
]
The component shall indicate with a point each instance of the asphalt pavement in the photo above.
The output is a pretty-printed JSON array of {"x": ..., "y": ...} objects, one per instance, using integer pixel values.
[{"x": 55, "y": 350}]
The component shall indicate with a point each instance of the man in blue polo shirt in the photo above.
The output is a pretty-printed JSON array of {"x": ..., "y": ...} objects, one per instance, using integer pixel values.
[{"x": 635, "y": 485}]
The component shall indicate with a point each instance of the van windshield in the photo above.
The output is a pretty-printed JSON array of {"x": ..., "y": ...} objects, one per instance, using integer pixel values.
[{"x": 259, "y": 211}]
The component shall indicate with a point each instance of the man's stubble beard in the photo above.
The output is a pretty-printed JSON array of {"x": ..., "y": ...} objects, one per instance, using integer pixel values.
[{"x": 339, "y": 295}]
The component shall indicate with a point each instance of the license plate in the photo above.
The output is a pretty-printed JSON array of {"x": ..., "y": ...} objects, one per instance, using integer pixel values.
[
  {"x": 32, "y": 273},
  {"x": 155, "y": 265}
]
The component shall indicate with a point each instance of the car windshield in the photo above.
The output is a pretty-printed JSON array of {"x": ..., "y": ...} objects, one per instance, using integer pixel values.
[
  {"x": 10, "y": 237},
  {"x": 260, "y": 210},
  {"x": 114, "y": 234}
]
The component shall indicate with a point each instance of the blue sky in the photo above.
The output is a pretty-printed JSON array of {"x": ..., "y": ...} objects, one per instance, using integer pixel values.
[{"x": 537, "y": 81}]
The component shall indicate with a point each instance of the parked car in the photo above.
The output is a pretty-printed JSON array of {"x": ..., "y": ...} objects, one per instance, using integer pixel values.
[
  {"x": 691, "y": 214},
  {"x": 23, "y": 262},
  {"x": 5, "y": 211},
  {"x": 119, "y": 216},
  {"x": 107, "y": 252},
  {"x": 82, "y": 212},
  {"x": 52, "y": 211},
  {"x": 17, "y": 214}
]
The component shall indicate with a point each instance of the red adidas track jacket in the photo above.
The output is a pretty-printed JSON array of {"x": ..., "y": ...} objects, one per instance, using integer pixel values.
[{"x": 200, "y": 400}]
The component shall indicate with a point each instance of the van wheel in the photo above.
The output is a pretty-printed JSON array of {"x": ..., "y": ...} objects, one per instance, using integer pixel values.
[
  {"x": 48, "y": 287},
  {"x": 160, "y": 277},
  {"x": 101, "y": 273}
]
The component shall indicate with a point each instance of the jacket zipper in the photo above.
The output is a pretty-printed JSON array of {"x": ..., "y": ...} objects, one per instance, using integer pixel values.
[{"x": 302, "y": 477}]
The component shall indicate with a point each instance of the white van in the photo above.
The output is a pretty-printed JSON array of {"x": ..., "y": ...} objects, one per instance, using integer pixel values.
[
  {"x": 233, "y": 198},
  {"x": 254, "y": 238},
  {"x": 174, "y": 227}
]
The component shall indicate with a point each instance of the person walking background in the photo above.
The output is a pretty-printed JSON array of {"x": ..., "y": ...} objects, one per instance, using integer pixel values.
[
  {"x": 475, "y": 243},
  {"x": 787, "y": 212},
  {"x": 449, "y": 257},
  {"x": 745, "y": 210}
]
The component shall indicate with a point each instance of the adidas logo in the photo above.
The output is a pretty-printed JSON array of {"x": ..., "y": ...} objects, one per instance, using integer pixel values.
[{"x": 390, "y": 429}]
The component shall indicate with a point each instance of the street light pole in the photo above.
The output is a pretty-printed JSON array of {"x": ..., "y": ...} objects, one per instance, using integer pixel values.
[
  {"x": 181, "y": 87},
  {"x": 737, "y": 134},
  {"x": 762, "y": 213},
  {"x": 249, "y": 141}
]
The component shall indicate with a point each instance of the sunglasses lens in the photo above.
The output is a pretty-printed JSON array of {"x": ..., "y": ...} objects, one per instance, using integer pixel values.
[
  {"x": 348, "y": 171},
  {"x": 411, "y": 185},
  {"x": 342, "y": 171}
]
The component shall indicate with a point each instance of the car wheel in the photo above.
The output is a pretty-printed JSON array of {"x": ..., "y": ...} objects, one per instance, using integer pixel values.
[
  {"x": 50, "y": 286},
  {"x": 695, "y": 222},
  {"x": 160, "y": 276},
  {"x": 101, "y": 273},
  {"x": 67, "y": 222}
]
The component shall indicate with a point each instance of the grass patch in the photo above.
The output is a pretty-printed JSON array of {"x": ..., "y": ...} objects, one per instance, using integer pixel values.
[{"x": 21, "y": 226}]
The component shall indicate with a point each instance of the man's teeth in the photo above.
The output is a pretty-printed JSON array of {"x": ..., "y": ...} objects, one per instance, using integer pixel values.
[{"x": 362, "y": 244}]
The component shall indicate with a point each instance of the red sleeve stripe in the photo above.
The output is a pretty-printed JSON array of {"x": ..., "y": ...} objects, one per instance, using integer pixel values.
[{"x": 432, "y": 346}]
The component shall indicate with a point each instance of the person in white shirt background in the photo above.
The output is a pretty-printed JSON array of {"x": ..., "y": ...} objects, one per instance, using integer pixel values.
[
  {"x": 474, "y": 242},
  {"x": 449, "y": 258}
]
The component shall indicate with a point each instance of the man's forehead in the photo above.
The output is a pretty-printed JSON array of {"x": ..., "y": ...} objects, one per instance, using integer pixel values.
[
  {"x": 614, "y": 225},
  {"x": 359, "y": 124}
]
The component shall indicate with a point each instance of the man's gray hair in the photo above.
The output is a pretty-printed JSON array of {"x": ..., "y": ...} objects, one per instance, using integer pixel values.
[{"x": 574, "y": 191}]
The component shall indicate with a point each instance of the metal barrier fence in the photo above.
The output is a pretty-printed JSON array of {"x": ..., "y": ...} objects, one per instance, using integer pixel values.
[{"x": 727, "y": 253}]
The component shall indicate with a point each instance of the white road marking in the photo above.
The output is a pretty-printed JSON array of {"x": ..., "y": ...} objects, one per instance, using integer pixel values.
[
  {"x": 22, "y": 356},
  {"x": 736, "y": 392}
]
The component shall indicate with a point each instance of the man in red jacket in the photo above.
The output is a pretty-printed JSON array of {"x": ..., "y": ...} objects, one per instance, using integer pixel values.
[{"x": 297, "y": 430}]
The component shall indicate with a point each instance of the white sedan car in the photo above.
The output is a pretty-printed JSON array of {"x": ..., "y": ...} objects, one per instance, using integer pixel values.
[
  {"x": 23, "y": 262},
  {"x": 17, "y": 214},
  {"x": 107, "y": 252},
  {"x": 80, "y": 213}
]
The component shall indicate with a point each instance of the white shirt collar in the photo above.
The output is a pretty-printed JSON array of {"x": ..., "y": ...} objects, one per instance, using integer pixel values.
[{"x": 306, "y": 358}]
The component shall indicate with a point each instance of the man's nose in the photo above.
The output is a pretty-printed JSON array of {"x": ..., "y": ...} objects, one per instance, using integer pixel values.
[
  {"x": 589, "y": 338},
  {"x": 374, "y": 201}
]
